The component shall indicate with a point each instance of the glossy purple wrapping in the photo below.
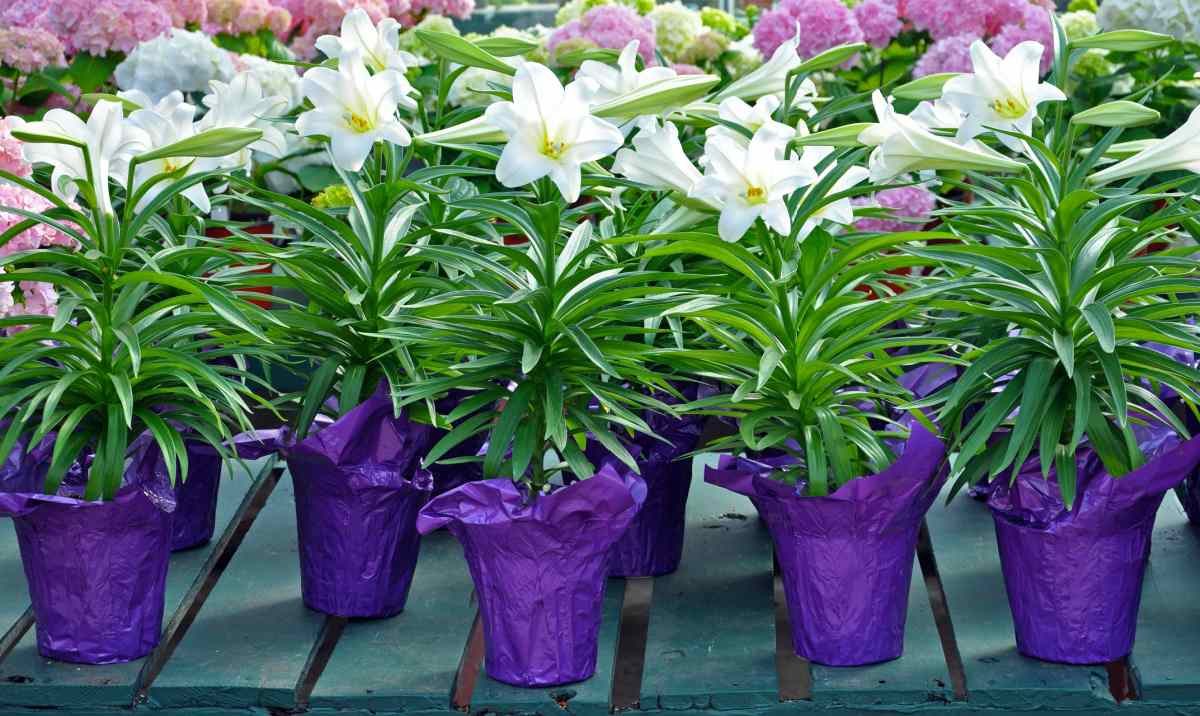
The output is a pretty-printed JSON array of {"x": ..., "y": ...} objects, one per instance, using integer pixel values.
[
  {"x": 359, "y": 487},
  {"x": 96, "y": 570},
  {"x": 1074, "y": 578},
  {"x": 846, "y": 558},
  {"x": 195, "y": 498},
  {"x": 539, "y": 568}
]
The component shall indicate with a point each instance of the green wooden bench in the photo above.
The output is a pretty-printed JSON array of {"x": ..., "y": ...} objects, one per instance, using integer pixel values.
[{"x": 239, "y": 640}]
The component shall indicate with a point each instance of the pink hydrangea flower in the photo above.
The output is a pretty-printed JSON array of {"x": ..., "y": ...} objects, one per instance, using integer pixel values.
[
  {"x": 241, "y": 17},
  {"x": 949, "y": 54},
  {"x": 824, "y": 24},
  {"x": 461, "y": 9},
  {"x": 100, "y": 26},
  {"x": 879, "y": 21},
  {"x": 943, "y": 18},
  {"x": 40, "y": 236},
  {"x": 609, "y": 26},
  {"x": 914, "y": 202},
  {"x": 30, "y": 49},
  {"x": 39, "y": 298},
  {"x": 685, "y": 69},
  {"x": 1035, "y": 25},
  {"x": 6, "y": 297},
  {"x": 313, "y": 18},
  {"x": 11, "y": 159}
]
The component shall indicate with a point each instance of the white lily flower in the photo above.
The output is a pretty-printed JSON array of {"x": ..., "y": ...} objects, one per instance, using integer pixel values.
[
  {"x": 355, "y": 109},
  {"x": 1179, "y": 150},
  {"x": 111, "y": 142},
  {"x": 757, "y": 118},
  {"x": 840, "y": 211},
  {"x": 242, "y": 103},
  {"x": 1001, "y": 93},
  {"x": 769, "y": 77},
  {"x": 168, "y": 121},
  {"x": 658, "y": 160},
  {"x": 550, "y": 131},
  {"x": 379, "y": 44},
  {"x": 938, "y": 115},
  {"x": 612, "y": 82},
  {"x": 902, "y": 145},
  {"x": 750, "y": 182}
]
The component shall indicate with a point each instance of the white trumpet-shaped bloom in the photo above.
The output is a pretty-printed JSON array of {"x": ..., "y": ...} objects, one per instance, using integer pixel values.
[
  {"x": 938, "y": 115},
  {"x": 839, "y": 211},
  {"x": 756, "y": 118},
  {"x": 658, "y": 160},
  {"x": 1001, "y": 93},
  {"x": 903, "y": 145},
  {"x": 750, "y": 182},
  {"x": 769, "y": 77},
  {"x": 1179, "y": 150},
  {"x": 243, "y": 104},
  {"x": 168, "y": 121},
  {"x": 379, "y": 44},
  {"x": 111, "y": 143},
  {"x": 612, "y": 82},
  {"x": 550, "y": 131},
  {"x": 355, "y": 109}
]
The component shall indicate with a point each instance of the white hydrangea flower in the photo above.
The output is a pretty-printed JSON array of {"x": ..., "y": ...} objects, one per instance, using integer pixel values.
[
  {"x": 182, "y": 60},
  {"x": 675, "y": 28},
  {"x": 1079, "y": 24},
  {"x": 275, "y": 79},
  {"x": 1178, "y": 18}
]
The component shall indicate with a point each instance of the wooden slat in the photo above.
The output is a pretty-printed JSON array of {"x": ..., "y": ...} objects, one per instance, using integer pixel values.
[
  {"x": 248, "y": 645},
  {"x": 631, "y": 644},
  {"x": 940, "y": 607},
  {"x": 318, "y": 658},
  {"x": 26, "y": 679},
  {"x": 999, "y": 677},
  {"x": 214, "y": 566},
  {"x": 407, "y": 662},
  {"x": 711, "y": 641}
]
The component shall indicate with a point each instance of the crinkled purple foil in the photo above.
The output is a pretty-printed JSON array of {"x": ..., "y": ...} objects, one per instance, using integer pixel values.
[
  {"x": 1074, "y": 578},
  {"x": 96, "y": 570},
  {"x": 359, "y": 487},
  {"x": 846, "y": 558},
  {"x": 539, "y": 564}
]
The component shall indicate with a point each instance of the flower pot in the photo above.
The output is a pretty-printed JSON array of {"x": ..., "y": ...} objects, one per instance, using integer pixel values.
[
  {"x": 263, "y": 229},
  {"x": 96, "y": 570},
  {"x": 359, "y": 486},
  {"x": 652, "y": 545},
  {"x": 846, "y": 558},
  {"x": 539, "y": 564},
  {"x": 196, "y": 498},
  {"x": 1074, "y": 577}
]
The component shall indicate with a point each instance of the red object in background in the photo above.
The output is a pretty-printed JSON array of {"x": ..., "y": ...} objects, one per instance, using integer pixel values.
[{"x": 218, "y": 232}]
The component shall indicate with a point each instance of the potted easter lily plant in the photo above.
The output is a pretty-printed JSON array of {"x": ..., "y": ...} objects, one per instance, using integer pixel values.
[
  {"x": 1062, "y": 263},
  {"x": 543, "y": 337},
  {"x": 131, "y": 361},
  {"x": 353, "y": 455},
  {"x": 807, "y": 364},
  {"x": 239, "y": 105}
]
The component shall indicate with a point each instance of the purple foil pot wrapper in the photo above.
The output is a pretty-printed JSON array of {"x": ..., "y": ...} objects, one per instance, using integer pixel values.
[
  {"x": 359, "y": 487},
  {"x": 1074, "y": 578},
  {"x": 195, "y": 498},
  {"x": 96, "y": 570},
  {"x": 539, "y": 564},
  {"x": 653, "y": 544},
  {"x": 846, "y": 558}
]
